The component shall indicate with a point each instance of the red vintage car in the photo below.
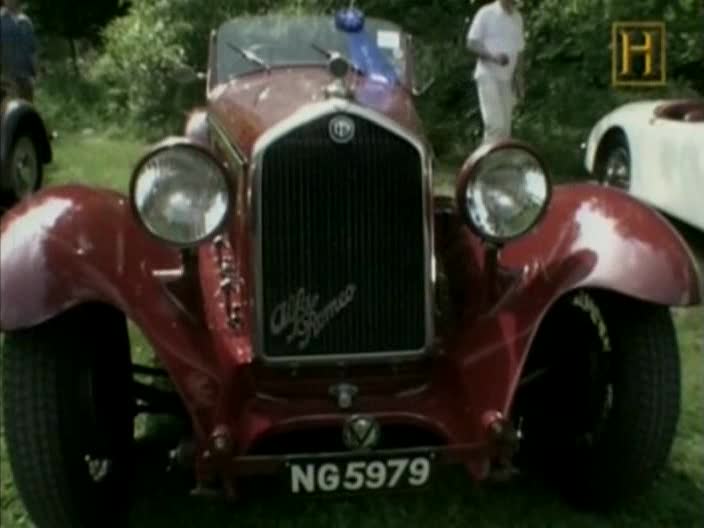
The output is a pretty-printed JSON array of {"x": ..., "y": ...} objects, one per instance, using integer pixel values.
[{"x": 321, "y": 313}]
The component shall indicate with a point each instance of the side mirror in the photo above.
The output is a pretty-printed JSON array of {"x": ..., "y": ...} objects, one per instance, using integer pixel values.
[
  {"x": 184, "y": 74},
  {"x": 422, "y": 64},
  {"x": 423, "y": 89}
]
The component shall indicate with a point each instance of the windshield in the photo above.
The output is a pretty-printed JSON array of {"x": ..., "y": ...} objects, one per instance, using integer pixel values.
[{"x": 280, "y": 41}]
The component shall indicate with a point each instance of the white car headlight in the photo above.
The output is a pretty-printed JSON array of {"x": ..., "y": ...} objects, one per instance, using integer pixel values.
[
  {"x": 181, "y": 194},
  {"x": 504, "y": 192}
]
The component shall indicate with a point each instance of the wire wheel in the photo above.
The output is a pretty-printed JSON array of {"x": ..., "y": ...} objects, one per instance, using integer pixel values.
[
  {"x": 617, "y": 170},
  {"x": 25, "y": 167}
]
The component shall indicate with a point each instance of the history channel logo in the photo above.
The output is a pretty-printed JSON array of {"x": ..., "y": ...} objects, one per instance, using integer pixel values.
[{"x": 639, "y": 54}]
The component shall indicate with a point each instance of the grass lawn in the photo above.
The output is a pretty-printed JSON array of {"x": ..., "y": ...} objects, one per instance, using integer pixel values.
[{"x": 453, "y": 501}]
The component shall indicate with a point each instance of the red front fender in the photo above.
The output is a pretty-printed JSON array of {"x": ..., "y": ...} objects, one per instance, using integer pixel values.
[
  {"x": 72, "y": 244},
  {"x": 632, "y": 249},
  {"x": 68, "y": 245},
  {"x": 591, "y": 237}
]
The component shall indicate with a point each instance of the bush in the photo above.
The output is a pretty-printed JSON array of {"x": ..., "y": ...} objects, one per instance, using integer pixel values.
[
  {"x": 142, "y": 50},
  {"x": 145, "y": 50}
]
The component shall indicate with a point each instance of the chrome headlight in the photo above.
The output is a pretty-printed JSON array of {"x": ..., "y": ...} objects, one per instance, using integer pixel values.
[
  {"x": 504, "y": 191},
  {"x": 180, "y": 193}
]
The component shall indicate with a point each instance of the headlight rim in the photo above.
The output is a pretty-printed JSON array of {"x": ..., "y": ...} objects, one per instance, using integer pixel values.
[
  {"x": 174, "y": 143},
  {"x": 468, "y": 176}
]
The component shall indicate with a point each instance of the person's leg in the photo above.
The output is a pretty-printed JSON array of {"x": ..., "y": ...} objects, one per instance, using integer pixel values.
[
  {"x": 492, "y": 108},
  {"x": 508, "y": 100}
]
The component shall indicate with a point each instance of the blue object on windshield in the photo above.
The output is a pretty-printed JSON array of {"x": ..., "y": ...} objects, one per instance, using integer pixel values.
[
  {"x": 362, "y": 47},
  {"x": 366, "y": 54},
  {"x": 349, "y": 20}
]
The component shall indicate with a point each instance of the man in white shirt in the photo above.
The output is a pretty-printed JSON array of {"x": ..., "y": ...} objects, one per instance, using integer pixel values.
[{"x": 496, "y": 37}]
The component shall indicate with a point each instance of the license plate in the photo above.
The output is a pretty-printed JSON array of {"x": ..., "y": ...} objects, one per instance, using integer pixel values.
[{"x": 350, "y": 476}]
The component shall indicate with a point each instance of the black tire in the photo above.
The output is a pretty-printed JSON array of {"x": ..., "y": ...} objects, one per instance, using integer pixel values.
[
  {"x": 603, "y": 419},
  {"x": 613, "y": 161},
  {"x": 66, "y": 396}
]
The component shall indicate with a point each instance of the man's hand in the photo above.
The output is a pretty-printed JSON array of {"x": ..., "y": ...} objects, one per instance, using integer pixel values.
[
  {"x": 500, "y": 58},
  {"x": 480, "y": 50}
]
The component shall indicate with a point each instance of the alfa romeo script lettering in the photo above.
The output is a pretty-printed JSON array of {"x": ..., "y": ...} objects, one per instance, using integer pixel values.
[{"x": 299, "y": 315}]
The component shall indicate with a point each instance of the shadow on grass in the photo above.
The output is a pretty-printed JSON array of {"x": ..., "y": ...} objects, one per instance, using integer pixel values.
[{"x": 162, "y": 500}]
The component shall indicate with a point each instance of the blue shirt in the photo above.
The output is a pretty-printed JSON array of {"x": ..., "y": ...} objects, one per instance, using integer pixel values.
[{"x": 18, "y": 45}]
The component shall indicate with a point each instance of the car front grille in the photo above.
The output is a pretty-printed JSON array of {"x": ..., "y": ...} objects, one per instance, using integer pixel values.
[{"x": 342, "y": 252}]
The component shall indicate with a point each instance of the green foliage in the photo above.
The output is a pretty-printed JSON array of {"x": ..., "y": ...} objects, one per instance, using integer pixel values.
[
  {"x": 60, "y": 17},
  {"x": 145, "y": 51},
  {"x": 568, "y": 61},
  {"x": 141, "y": 51}
]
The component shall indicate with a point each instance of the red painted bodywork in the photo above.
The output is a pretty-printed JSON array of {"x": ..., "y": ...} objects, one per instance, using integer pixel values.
[
  {"x": 76, "y": 244},
  {"x": 251, "y": 106}
]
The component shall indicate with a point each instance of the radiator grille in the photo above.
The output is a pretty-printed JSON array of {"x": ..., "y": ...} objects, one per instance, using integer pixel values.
[{"x": 342, "y": 252}]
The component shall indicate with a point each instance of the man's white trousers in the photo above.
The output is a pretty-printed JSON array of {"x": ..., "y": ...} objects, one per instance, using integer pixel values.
[{"x": 496, "y": 101}]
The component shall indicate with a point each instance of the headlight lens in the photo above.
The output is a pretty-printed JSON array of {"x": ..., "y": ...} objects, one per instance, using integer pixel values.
[
  {"x": 181, "y": 194},
  {"x": 507, "y": 194}
]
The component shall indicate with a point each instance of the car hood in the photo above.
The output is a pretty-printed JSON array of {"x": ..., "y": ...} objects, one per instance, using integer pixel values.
[{"x": 246, "y": 108}]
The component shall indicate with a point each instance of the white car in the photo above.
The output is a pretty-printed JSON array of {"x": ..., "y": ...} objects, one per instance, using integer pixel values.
[{"x": 654, "y": 150}]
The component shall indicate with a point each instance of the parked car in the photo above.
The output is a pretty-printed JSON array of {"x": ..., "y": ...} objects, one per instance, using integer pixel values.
[
  {"x": 24, "y": 150},
  {"x": 320, "y": 313},
  {"x": 654, "y": 150}
]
